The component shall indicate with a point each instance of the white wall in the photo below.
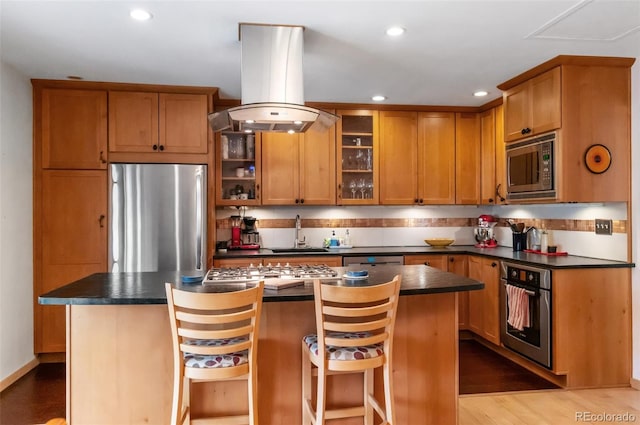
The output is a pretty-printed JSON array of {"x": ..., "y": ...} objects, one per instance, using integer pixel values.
[{"x": 16, "y": 235}]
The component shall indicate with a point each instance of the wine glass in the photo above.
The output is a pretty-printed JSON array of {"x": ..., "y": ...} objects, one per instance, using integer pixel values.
[
  {"x": 370, "y": 188},
  {"x": 362, "y": 187},
  {"x": 352, "y": 186}
]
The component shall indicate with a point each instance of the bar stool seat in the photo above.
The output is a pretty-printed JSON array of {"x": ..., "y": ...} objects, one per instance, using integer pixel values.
[
  {"x": 354, "y": 334},
  {"x": 215, "y": 338}
]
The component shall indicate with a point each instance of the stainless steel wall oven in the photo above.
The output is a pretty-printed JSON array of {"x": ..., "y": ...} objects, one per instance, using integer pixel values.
[{"x": 525, "y": 311}]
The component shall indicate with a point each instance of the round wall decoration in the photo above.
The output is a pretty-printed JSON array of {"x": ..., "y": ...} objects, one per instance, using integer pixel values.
[{"x": 597, "y": 158}]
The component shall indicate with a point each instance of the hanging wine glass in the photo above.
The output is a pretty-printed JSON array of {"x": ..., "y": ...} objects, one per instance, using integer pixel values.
[{"x": 362, "y": 187}]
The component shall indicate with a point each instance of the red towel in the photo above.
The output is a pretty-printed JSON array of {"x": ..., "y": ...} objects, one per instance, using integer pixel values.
[{"x": 518, "y": 303}]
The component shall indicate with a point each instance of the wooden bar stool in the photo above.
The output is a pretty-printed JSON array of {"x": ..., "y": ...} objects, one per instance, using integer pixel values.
[
  {"x": 215, "y": 337},
  {"x": 354, "y": 334}
]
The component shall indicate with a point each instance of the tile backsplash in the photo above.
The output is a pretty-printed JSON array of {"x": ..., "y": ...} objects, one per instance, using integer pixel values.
[{"x": 571, "y": 225}]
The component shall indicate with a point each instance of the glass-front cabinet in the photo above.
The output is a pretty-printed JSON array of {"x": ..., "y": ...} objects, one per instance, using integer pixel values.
[
  {"x": 357, "y": 157},
  {"x": 238, "y": 171}
]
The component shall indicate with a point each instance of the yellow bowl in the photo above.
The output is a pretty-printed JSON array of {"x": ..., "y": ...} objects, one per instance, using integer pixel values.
[{"x": 439, "y": 241}]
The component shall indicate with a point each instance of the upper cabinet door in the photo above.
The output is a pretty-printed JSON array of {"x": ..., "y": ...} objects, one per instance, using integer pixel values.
[
  {"x": 357, "y": 157},
  {"x": 133, "y": 121},
  {"x": 183, "y": 123},
  {"x": 546, "y": 102},
  {"x": 533, "y": 107},
  {"x": 488, "y": 157},
  {"x": 318, "y": 167},
  {"x": 398, "y": 157},
  {"x": 467, "y": 159},
  {"x": 437, "y": 157},
  {"x": 281, "y": 169},
  {"x": 74, "y": 129}
]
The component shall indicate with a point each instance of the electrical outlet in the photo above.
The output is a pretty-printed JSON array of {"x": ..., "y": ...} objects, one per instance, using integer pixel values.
[{"x": 604, "y": 226}]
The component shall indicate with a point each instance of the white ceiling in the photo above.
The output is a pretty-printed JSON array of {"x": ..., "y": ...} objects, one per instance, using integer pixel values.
[{"x": 451, "y": 48}]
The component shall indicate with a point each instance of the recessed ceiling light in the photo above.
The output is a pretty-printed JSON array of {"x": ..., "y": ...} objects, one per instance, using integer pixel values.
[
  {"x": 378, "y": 98},
  {"x": 248, "y": 131},
  {"x": 298, "y": 122},
  {"x": 395, "y": 31},
  {"x": 480, "y": 93},
  {"x": 291, "y": 131},
  {"x": 140, "y": 15},
  {"x": 249, "y": 121}
]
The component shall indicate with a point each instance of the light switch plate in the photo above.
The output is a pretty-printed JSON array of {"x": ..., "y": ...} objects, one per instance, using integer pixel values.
[{"x": 604, "y": 226}]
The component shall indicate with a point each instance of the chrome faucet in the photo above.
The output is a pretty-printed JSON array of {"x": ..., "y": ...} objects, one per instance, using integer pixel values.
[{"x": 297, "y": 243}]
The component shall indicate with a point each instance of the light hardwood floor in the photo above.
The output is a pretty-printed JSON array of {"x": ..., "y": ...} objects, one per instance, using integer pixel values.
[{"x": 552, "y": 407}]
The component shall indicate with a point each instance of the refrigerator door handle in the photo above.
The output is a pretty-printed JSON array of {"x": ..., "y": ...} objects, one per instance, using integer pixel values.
[{"x": 199, "y": 220}]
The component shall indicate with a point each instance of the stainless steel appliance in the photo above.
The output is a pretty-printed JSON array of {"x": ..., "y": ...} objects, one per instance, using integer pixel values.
[
  {"x": 534, "y": 340},
  {"x": 277, "y": 271},
  {"x": 371, "y": 260},
  {"x": 158, "y": 217},
  {"x": 531, "y": 168}
]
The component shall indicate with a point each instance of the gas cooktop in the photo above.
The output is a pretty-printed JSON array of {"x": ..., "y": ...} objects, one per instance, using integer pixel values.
[{"x": 298, "y": 272}]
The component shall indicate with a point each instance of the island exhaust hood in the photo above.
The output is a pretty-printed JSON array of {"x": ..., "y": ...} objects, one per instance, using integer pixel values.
[{"x": 271, "y": 84}]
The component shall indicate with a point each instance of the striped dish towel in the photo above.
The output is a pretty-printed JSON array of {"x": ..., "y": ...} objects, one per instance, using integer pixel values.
[{"x": 518, "y": 303}]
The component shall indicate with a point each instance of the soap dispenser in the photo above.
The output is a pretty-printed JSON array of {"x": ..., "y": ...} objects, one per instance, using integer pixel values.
[
  {"x": 334, "y": 242},
  {"x": 347, "y": 239}
]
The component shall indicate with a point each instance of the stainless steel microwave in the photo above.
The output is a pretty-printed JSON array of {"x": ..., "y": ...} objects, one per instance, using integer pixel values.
[{"x": 531, "y": 168}]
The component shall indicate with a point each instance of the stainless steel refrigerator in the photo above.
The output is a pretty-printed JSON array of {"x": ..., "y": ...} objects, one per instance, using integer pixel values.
[{"x": 158, "y": 217}]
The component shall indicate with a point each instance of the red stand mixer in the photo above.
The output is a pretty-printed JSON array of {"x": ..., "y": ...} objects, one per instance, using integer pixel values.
[{"x": 484, "y": 231}]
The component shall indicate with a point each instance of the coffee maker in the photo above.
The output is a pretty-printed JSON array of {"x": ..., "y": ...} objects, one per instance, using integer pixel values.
[
  {"x": 484, "y": 231},
  {"x": 250, "y": 236}
]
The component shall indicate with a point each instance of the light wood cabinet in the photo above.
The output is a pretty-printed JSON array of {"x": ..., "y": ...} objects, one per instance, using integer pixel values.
[
  {"x": 493, "y": 157},
  {"x": 587, "y": 100},
  {"x": 501, "y": 158},
  {"x": 399, "y": 162},
  {"x": 437, "y": 158},
  {"x": 484, "y": 305},
  {"x": 468, "y": 168},
  {"x": 71, "y": 127},
  {"x": 71, "y": 234},
  {"x": 357, "y": 157},
  {"x": 417, "y": 162},
  {"x": 331, "y": 261},
  {"x": 158, "y": 122},
  {"x": 299, "y": 168},
  {"x": 239, "y": 169},
  {"x": 456, "y": 264},
  {"x": 533, "y": 107}
]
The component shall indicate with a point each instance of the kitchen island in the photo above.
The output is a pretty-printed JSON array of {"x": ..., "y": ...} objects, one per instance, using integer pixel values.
[{"x": 119, "y": 358}]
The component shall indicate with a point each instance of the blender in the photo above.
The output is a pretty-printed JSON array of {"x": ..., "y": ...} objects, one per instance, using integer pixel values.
[{"x": 484, "y": 231}]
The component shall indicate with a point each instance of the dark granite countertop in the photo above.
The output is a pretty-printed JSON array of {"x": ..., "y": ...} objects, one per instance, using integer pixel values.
[
  {"x": 148, "y": 287},
  {"x": 500, "y": 253}
]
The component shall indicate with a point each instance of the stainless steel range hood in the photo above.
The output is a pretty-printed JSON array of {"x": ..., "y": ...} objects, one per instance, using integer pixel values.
[{"x": 271, "y": 84}]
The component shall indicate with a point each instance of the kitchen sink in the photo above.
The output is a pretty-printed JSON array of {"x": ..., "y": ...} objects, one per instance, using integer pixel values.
[{"x": 294, "y": 250}]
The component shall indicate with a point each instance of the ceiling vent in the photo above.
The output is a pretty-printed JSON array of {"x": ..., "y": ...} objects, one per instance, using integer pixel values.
[{"x": 271, "y": 84}]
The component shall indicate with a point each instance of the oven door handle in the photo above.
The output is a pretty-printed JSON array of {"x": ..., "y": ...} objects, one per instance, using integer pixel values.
[{"x": 526, "y": 291}]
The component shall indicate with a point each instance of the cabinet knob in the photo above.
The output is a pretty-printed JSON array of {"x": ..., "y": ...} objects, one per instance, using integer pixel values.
[
  {"x": 491, "y": 200},
  {"x": 494, "y": 264},
  {"x": 451, "y": 260},
  {"x": 426, "y": 263},
  {"x": 101, "y": 220},
  {"x": 155, "y": 147},
  {"x": 415, "y": 200},
  {"x": 161, "y": 147},
  {"x": 102, "y": 160},
  {"x": 420, "y": 200},
  {"x": 302, "y": 201}
]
